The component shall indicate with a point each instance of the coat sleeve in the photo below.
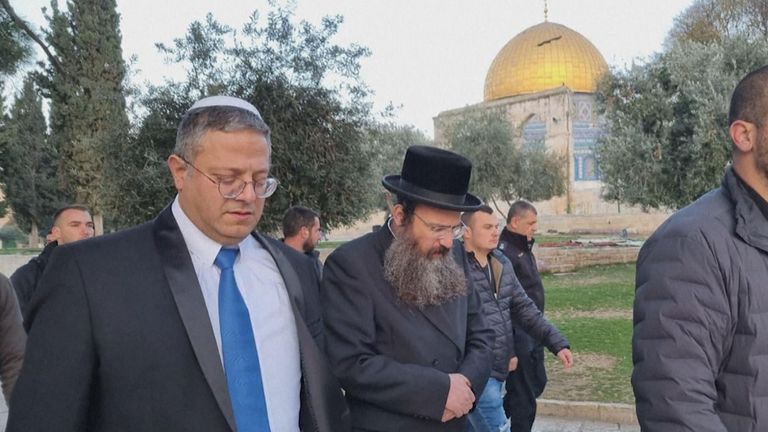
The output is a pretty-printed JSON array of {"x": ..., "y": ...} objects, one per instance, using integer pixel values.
[
  {"x": 478, "y": 349},
  {"x": 528, "y": 317},
  {"x": 53, "y": 391},
  {"x": 365, "y": 374},
  {"x": 681, "y": 332},
  {"x": 12, "y": 337}
]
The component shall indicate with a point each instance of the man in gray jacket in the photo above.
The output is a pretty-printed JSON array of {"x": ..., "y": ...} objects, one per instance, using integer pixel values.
[
  {"x": 504, "y": 302},
  {"x": 700, "y": 343}
]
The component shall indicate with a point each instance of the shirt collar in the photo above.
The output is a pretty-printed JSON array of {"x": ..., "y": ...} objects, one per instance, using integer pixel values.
[{"x": 200, "y": 246}]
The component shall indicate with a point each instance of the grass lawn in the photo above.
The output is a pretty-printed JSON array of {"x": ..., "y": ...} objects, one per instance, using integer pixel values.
[{"x": 593, "y": 308}]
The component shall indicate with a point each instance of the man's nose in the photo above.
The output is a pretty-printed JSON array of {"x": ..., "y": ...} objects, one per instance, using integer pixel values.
[{"x": 446, "y": 241}]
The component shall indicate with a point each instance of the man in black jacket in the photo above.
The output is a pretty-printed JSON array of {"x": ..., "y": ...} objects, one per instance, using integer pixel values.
[
  {"x": 527, "y": 382},
  {"x": 504, "y": 302},
  {"x": 301, "y": 231},
  {"x": 404, "y": 327},
  {"x": 70, "y": 224}
]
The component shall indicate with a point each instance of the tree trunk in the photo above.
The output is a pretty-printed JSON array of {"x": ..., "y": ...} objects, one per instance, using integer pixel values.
[
  {"x": 33, "y": 240},
  {"x": 98, "y": 223}
]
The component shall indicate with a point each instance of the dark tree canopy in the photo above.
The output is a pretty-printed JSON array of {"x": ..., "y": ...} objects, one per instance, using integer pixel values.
[
  {"x": 29, "y": 162},
  {"x": 85, "y": 87},
  {"x": 308, "y": 90},
  {"x": 666, "y": 142},
  {"x": 14, "y": 46}
]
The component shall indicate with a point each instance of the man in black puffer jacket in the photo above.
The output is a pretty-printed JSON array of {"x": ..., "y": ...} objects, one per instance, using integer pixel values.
[{"x": 504, "y": 303}]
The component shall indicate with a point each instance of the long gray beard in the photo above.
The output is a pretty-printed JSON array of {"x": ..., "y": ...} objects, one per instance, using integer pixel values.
[{"x": 419, "y": 280}]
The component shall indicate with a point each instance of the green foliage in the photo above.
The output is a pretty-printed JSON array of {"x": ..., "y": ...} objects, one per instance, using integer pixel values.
[
  {"x": 14, "y": 47},
  {"x": 29, "y": 163},
  {"x": 88, "y": 119},
  {"x": 708, "y": 21},
  {"x": 11, "y": 236},
  {"x": 502, "y": 170},
  {"x": 388, "y": 142},
  {"x": 307, "y": 89},
  {"x": 666, "y": 142}
]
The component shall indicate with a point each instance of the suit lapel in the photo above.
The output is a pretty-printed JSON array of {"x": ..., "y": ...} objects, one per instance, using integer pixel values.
[
  {"x": 291, "y": 279},
  {"x": 188, "y": 296},
  {"x": 448, "y": 319}
]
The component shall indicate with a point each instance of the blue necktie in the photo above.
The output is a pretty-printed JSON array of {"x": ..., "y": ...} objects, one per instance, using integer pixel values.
[{"x": 241, "y": 357}]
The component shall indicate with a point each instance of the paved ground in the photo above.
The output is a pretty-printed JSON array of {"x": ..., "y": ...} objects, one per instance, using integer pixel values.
[{"x": 552, "y": 424}]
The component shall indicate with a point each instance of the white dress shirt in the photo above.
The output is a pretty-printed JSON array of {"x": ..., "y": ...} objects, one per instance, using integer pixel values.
[{"x": 269, "y": 306}]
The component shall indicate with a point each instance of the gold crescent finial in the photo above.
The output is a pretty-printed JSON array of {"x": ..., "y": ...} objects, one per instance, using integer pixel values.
[{"x": 546, "y": 11}]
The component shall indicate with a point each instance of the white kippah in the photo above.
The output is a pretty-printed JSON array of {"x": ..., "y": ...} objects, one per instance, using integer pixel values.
[{"x": 225, "y": 101}]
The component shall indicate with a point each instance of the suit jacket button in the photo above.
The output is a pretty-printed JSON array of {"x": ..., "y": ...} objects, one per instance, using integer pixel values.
[{"x": 435, "y": 362}]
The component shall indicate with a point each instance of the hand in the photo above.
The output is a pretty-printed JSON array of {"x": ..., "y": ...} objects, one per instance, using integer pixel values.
[
  {"x": 513, "y": 364},
  {"x": 448, "y": 415},
  {"x": 460, "y": 396},
  {"x": 566, "y": 357}
]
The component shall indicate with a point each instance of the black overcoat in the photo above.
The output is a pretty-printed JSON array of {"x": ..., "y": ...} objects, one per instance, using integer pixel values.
[{"x": 392, "y": 360}]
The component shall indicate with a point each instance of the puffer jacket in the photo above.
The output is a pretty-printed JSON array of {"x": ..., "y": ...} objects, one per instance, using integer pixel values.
[
  {"x": 700, "y": 342},
  {"x": 504, "y": 304}
]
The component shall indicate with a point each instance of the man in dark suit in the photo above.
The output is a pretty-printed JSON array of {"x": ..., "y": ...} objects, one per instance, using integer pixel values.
[
  {"x": 404, "y": 328},
  {"x": 191, "y": 322}
]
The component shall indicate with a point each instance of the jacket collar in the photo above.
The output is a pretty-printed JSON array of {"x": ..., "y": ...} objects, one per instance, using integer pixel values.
[
  {"x": 518, "y": 240},
  {"x": 751, "y": 225}
]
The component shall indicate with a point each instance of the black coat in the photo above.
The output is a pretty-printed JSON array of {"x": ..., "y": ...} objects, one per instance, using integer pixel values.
[
  {"x": 26, "y": 277},
  {"x": 505, "y": 303},
  {"x": 519, "y": 250},
  {"x": 700, "y": 342},
  {"x": 121, "y": 340},
  {"x": 392, "y": 360}
]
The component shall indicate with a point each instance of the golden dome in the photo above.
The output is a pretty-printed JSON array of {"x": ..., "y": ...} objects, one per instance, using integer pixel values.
[{"x": 542, "y": 57}]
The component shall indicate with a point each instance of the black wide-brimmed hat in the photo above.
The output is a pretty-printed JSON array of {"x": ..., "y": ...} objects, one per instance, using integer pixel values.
[{"x": 436, "y": 177}]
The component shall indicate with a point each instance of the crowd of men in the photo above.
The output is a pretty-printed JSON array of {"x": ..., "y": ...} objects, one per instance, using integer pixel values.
[{"x": 196, "y": 321}]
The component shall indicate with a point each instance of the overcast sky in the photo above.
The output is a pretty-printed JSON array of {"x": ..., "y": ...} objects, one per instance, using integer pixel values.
[{"x": 427, "y": 55}]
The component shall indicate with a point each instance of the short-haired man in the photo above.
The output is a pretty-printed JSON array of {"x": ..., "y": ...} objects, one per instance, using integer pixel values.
[
  {"x": 190, "y": 322},
  {"x": 504, "y": 302},
  {"x": 301, "y": 231},
  {"x": 700, "y": 342},
  {"x": 70, "y": 224},
  {"x": 527, "y": 382},
  {"x": 405, "y": 330}
]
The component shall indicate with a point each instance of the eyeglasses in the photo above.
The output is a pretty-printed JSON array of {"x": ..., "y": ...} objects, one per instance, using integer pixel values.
[
  {"x": 440, "y": 231},
  {"x": 232, "y": 187}
]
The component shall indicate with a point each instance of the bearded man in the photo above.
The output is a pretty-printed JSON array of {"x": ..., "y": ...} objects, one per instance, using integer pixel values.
[{"x": 405, "y": 332}]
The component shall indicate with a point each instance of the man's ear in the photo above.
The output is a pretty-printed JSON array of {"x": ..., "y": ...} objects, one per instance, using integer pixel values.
[
  {"x": 744, "y": 135},
  {"x": 398, "y": 214},
  {"x": 55, "y": 234},
  {"x": 178, "y": 169}
]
